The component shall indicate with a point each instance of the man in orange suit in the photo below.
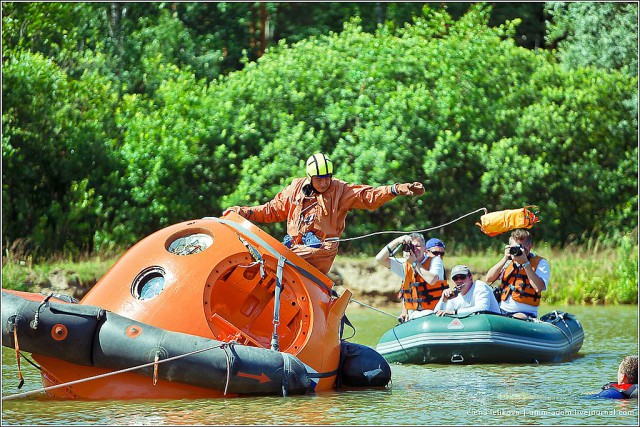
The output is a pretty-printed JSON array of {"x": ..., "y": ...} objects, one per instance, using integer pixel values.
[{"x": 316, "y": 207}]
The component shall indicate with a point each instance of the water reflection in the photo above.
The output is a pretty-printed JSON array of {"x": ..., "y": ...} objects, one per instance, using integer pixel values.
[{"x": 547, "y": 394}]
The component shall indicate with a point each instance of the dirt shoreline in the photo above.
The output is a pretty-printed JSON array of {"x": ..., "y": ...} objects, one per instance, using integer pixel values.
[{"x": 368, "y": 281}]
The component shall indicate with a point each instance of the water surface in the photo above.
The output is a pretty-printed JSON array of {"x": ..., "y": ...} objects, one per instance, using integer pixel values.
[{"x": 545, "y": 394}]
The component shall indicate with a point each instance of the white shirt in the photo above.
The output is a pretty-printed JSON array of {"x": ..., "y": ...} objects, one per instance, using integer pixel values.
[
  {"x": 509, "y": 305},
  {"x": 436, "y": 267},
  {"x": 478, "y": 298}
]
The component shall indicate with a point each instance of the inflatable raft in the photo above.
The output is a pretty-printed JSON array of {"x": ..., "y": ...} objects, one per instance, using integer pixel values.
[
  {"x": 483, "y": 338},
  {"x": 205, "y": 308}
]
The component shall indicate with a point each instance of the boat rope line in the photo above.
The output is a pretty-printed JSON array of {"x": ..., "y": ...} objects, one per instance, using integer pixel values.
[
  {"x": 155, "y": 367},
  {"x": 337, "y": 239},
  {"x": 561, "y": 317},
  {"x": 399, "y": 342},
  {"x": 275, "y": 345},
  {"x": 108, "y": 374},
  {"x": 255, "y": 254},
  {"x": 322, "y": 374},
  {"x": 345, "y": 321},
  {"x": 30, "y": 362},
  {"x": 286, "y": 370},
  {"x": 229, "y": 364},
  {"x": 36, "y": 318},
  {"x": 373, "y": 308},
  {"x": 270, "y": 248}
]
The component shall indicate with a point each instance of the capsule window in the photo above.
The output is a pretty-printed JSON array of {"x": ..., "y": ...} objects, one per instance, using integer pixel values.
[
  {"x": 190, "y": 244},
  {"x": 149, "y": 283}
]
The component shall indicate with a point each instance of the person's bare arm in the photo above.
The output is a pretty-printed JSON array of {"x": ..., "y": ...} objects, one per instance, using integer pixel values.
[
  {"x": 494, "y": 272},
  {"x": 386, "y": 252}
]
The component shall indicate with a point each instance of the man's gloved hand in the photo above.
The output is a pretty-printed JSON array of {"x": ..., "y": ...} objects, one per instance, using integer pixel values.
[{"x": 410, "y": 189}]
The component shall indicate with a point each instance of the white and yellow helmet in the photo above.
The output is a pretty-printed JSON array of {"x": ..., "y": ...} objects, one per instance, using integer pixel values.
[{"x": 319, "y": 165}]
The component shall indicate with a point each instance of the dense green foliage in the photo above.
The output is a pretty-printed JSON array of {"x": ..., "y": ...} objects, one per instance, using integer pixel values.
[
  {"x": 603, "y": 35},
  {"x": 600, "y": 34},
  {"x": 106, "y": 140}
]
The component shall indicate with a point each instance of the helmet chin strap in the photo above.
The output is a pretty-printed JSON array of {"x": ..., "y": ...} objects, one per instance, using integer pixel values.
[{"x": 311, "y": 188}]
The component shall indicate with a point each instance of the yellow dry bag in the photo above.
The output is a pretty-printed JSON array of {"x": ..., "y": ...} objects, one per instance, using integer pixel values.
[{"x": 495, "y": 223}]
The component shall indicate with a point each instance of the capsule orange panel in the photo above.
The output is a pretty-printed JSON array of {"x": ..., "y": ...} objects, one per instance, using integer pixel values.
[{"x": 242, "y": 295}]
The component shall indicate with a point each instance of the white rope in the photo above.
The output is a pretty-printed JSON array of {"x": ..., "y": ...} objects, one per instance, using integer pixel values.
[
  {"x": 373, "y": 308},
  {"x": 96, "y": 377},
  {"x": 335, "y": 239},
  {"x": 226, "y": 355}
]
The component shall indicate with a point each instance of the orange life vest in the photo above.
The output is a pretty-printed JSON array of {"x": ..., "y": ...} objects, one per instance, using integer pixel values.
[
  {"x": 516, "y": 283},
  {"x": 416, "y": 293}
]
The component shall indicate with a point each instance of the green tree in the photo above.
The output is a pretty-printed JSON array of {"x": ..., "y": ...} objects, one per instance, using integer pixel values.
[
  {"x": 122, "y": 127},
  {"x": 55, "y": 152},
  {"x": 602, "y": 34}
]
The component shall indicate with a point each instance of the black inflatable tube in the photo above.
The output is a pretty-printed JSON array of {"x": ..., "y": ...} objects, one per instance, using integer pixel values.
[
  {"x": 96, "y": 337},
  {"x": 362, "y": 366},
  {"x": 35, "y": 322}
]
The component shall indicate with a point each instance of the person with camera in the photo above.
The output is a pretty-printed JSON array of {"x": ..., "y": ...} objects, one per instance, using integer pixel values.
[
  {"x": 523, "y": 276},
  {"x": 421, "y": 270},
  {"x": 315, "y": 209},
  {"x": 468, "y": 296}
]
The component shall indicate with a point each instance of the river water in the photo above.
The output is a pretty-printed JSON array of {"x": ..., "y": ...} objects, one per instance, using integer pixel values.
[{"x": 546, "y": 394}]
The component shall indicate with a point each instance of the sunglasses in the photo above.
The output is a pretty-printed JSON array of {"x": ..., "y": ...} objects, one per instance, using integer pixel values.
[
  {"x": 437, "y": 253},
  {"x": 459, "y": 277}
]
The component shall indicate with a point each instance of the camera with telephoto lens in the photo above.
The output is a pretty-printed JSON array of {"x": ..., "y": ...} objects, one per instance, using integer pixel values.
[
  {"x": 407, "y": 247},
  {"x": 516, "y": 250}
]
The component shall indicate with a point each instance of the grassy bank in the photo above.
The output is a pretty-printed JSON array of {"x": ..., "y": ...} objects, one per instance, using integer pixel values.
[
  {"x": 579, "y": 275},
  {"x": 26, "y": 276}
]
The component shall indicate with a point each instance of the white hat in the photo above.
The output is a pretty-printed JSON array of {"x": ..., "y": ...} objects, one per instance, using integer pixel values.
[{"x": 460, "y": 269}]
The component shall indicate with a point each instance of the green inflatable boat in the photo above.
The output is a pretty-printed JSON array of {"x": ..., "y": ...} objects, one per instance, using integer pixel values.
[{"x": 483, "y": 338}]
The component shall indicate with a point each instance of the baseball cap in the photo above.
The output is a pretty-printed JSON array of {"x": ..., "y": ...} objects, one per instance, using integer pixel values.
[
  {"x": 431, "y": 243},
  {"x": 460, "y": 269}
]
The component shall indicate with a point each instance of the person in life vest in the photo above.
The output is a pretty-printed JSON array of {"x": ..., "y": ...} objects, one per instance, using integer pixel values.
[
  {"x": 315, "y": 209},
  {"x": 468, "y": 296},
  {"x": 627, "y": 385},
  {"x": 421, "y": 270},
  {"x": 523, "y": 276}
]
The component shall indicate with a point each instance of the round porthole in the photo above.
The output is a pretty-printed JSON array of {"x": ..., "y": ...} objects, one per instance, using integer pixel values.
[
  {"x": 149, "y": 283},
  {"x": 190, "y": 244}
]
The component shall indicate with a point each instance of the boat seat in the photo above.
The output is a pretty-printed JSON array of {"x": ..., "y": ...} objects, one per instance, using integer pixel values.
[{"x": 226, "y": 332}]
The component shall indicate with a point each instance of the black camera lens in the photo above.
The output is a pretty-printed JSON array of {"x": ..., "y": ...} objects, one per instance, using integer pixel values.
[
  {"x": 407, "y": 247},
  {"x": 516, "y": 250}
]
